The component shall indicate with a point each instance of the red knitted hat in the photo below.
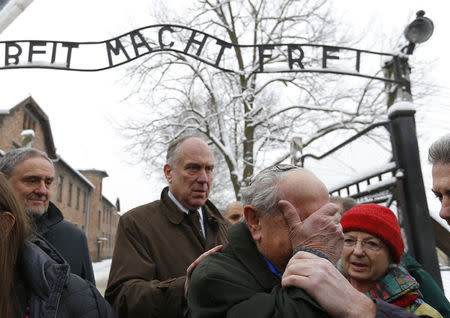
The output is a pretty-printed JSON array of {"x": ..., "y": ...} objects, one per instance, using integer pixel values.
[{"x": 376, "y": 220}]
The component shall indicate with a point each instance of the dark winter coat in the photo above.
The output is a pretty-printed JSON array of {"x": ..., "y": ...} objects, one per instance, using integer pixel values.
[
  {"x": 430, "y": 290},
  {"x": 53, "y": 291},
  {"x": 155, "y": 245},
  {"x": 68, "y": 240},
  {"x": 237, "y": 282}
]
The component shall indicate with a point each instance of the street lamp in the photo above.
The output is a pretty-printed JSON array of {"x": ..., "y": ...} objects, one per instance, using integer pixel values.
[
  {"x": 418, "y": 31},
  {"x": 411, "y": 198}
]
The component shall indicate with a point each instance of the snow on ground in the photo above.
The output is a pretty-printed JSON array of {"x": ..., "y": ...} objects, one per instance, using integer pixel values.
[
  {"x": 101, "y": 270},
  {"x": 445, "y": 275}
]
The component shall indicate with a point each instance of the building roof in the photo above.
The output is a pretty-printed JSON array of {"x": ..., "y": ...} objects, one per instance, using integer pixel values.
[
  {"x": 81, "y": 176},
  {"x": 30, "y": 104}
]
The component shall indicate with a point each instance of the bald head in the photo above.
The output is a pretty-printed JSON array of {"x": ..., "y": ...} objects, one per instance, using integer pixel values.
[
  {"x": 284, "y": 182},
  {"x": 304, "y": 190}
]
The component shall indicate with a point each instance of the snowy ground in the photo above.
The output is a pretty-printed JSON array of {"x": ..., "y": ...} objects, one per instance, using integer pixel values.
[
  {"x": 101, "y": 270},
  {"x": 445, "y": 275}
]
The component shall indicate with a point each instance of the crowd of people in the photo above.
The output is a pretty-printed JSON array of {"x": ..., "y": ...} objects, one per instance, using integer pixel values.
[{"x": 284, "y": 251}]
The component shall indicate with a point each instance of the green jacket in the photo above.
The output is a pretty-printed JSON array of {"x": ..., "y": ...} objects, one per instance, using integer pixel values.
[
  {"x": 430, "y": 290},
  {"x": 237, "y": 282}
]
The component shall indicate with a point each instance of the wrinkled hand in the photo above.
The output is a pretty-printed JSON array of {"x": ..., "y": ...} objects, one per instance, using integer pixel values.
[
  {"x": 320, "y": 279},
  {"x": 194, "y": 264},
  {"x": 321, "y": 230}
]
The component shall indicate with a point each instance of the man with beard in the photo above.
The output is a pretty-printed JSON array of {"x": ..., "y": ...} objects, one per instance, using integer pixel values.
[{"x": 31, "y": 173}]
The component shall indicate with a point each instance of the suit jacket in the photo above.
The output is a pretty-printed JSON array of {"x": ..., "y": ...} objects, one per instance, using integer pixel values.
[
  {"x": 237, "y": 282},
  {"x": 68, "y": 240},
  {"x": 155, "y": 244}
]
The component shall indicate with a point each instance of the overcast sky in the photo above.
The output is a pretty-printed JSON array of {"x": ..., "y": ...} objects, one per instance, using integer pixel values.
[{"x": 83, "y": 107}]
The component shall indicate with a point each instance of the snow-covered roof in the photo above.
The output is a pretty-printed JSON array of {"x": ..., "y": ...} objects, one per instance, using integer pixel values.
[
  {"x": 75, "y": 171},
  {"x": 108, "y": 201}
]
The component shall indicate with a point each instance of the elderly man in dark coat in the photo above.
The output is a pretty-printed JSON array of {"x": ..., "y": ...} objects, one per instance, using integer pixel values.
[
  {"x": 158, "y": 244},
  {"x": 278, "y": 263}
]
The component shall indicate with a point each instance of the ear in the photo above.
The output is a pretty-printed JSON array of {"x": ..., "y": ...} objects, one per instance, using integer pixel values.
[
  {"x": 253, "y": 219},
  {"x": 7, "y": 221},
  {"x": 168, "y": 173}
]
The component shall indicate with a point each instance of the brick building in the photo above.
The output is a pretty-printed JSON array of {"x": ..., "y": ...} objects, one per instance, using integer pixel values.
[{"x": 78, "y": 193}]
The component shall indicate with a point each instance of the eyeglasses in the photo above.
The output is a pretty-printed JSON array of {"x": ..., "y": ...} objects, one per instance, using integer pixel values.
[{"x": 369, "y": 244}]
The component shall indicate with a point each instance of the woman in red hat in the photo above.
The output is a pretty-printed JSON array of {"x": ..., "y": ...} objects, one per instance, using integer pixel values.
[{"x": 373, "y": 248}]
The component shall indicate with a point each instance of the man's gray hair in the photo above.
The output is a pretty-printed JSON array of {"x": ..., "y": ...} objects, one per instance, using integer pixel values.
[
  {"x": 440, "y": 150},
  {"x": 16, "y": 156},
  {"x": 173, "y": 151},
  {"x": 264, "y": 191}
]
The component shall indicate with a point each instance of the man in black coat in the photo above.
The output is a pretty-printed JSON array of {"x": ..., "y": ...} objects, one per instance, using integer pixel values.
[
  {"x": 31, "y": 174},
  {"x": 52, "y": 290}
]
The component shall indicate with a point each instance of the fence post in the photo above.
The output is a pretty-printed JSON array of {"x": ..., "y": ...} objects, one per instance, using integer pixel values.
[{"x": 406, "y": 153}]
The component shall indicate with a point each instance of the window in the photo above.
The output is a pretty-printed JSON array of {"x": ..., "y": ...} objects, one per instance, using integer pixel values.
[
  {"x": 69, "y": 195},
  {"x": 99, "y": 219},
  {"x": 25, "y": 121},
  {"x": 28, "y": 121},
  {"x": 77, "y": 205},
  {"x": 84, "y": 202},
  {"x": 60, "y": 188}
]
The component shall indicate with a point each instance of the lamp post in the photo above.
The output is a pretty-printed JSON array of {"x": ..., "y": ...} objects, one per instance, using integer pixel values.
[{"x": 413, "y": 209}]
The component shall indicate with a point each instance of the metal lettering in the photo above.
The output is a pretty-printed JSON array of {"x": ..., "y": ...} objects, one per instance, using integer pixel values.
[
  {"x": 291, "y": 60},
  {"x": 262, "y": 55},
  {"x": 116, "y": 50},
  {"x": 326, "y": 57},
  {"x": 192, "y": 40},
  {"x": 8, "y": 54}
]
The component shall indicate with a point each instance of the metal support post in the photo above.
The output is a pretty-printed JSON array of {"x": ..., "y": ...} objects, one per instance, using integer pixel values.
[{"x": 420, "y": 228}]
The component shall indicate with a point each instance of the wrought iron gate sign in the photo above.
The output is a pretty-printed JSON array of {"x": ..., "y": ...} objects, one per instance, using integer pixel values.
[{"x": 273, "y": 58}]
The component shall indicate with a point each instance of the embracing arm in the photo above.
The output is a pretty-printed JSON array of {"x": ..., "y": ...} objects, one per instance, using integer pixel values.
[
  {"x": 332, "y": 290},
  {"x": 224, "y": 288}
]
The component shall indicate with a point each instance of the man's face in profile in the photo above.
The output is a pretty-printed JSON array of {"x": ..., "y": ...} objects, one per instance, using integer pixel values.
[{"x": 441, "y": 188}]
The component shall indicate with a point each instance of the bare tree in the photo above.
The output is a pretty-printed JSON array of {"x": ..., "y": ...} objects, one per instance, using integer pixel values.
[{"x": 250, "y": 118}]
